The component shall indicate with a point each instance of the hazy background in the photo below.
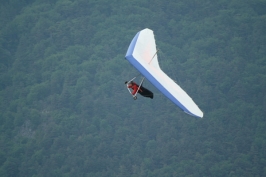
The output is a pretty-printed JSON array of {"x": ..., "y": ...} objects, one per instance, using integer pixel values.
[{"x": 65, "y": 111}]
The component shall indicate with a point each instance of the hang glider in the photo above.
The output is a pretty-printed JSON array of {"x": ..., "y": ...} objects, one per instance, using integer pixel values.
[{"x": 142, "y": 54}]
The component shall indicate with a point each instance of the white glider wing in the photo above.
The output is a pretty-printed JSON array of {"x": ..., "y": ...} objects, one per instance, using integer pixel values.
[{"x": 142, "y": 55}]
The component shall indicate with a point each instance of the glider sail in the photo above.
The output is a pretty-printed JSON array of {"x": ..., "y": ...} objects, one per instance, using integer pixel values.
[{"x": 142, "y": 54}]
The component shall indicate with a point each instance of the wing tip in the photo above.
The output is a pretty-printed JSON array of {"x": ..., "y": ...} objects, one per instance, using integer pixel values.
[{"x": 198, "y": 115}]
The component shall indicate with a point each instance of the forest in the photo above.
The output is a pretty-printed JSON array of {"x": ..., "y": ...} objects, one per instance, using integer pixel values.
[{"x": 65, "y": 110}]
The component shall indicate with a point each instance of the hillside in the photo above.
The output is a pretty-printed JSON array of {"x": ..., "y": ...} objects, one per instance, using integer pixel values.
[{"x": 64, "y": 109}]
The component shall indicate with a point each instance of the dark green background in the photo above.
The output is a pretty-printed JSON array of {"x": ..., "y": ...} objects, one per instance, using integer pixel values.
[{"x": 65, "y": 111}]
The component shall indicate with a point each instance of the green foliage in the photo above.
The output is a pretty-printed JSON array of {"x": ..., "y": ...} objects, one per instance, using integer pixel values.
[{"x": 64, "y": 109}]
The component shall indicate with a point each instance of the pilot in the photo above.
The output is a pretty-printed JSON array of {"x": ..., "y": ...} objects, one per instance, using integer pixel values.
[
  {"x": 133, "y": 86},
  {"x": 140, "y": 89}
]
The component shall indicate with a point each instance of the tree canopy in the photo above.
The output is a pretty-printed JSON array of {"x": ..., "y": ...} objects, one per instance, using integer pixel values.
[{"x": 64, "y": 109}]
